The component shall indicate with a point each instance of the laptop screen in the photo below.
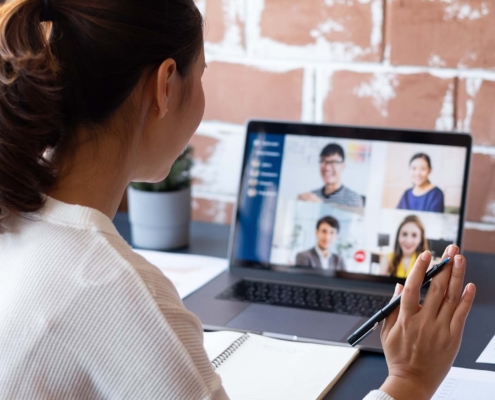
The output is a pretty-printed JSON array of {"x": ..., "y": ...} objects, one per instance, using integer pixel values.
[{"x": 345, "y": 201}]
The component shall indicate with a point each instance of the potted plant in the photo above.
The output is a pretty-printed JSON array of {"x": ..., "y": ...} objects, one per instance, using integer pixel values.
[{"x": 160, "y": 213}]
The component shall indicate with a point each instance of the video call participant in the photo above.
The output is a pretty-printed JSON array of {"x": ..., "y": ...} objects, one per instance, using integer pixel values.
[
  {"x": 423, "y": 196},
  {"x": 332, "y": 163},
  {"x": 320, "y": 256},
  {"x": 409, "y": 243}
]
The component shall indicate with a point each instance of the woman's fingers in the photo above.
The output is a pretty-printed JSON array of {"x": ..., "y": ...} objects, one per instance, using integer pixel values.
[
  {"x": 392, "y": 318},
  {"x": 454, "y": 291},
  {"x": 439, "y": 284},
  {"x": 462, "y": 311},
  {"x": 410, "y": 294}
]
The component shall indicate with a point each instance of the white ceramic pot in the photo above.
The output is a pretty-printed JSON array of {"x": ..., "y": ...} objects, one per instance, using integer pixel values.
[{"x": 159, "y": 220}]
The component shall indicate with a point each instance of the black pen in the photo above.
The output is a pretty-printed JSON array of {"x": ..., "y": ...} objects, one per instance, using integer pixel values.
[{"x": 373, "y": 323}]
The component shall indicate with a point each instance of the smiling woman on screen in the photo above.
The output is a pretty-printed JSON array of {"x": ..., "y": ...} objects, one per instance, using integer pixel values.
[
  {"x": 96, "y": 94},
  {"x": 410, "y": 242},
  {"x": 423, "y": 196}
]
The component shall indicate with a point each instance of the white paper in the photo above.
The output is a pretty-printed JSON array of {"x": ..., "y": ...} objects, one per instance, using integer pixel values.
[
  {"x": 187, "y": 272},
  {"x": 488, "y": 355},
  {"x": 467, "y": 384},
  {"x": 264, "y": 368},
  {"x": 215, "y": 343}
]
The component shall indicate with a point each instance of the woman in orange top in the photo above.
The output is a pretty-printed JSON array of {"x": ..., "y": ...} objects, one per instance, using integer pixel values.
[{"x": 409, "y": 243}]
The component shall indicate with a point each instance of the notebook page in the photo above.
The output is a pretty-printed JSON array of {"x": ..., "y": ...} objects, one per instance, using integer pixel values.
[
  {"x": 463, "y": 383},
  {"x": 270, "y": 369},
  {"x": 215, "y": 343}
]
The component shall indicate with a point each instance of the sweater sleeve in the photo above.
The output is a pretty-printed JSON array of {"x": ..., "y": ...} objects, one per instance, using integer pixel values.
[
  {"x": 189, "y": 332},
  {"x": 112, "y": 327},
  {"x": 378, "y": 395}
]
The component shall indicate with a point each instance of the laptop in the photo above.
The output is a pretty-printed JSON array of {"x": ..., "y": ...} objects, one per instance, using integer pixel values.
[{"x": 328, "y": 219}]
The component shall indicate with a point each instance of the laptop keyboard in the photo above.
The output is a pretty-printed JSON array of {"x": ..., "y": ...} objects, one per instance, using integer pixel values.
[{"x": 308, "y": 298}]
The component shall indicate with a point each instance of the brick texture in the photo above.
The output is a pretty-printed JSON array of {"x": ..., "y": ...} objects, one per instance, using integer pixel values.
[
  {"x": 479, "y": 241},
  {"x": 418, "y": 64},
  {"x": 212, "y": 211},
  {"x": 420, "y": 101},
  {"x": 224, "y": 23},
  {"x": 354, "y": 26},
  {"x": 204, "y": 147},
  {"x": 214, "y": 21},
  {"x": 481, "y": 198},
  {"x": 440, "y": 33},
  {"x": 217, "y": 166},
  {"x": 235, "y": 93},
  {"x": 475, "y": 109}
]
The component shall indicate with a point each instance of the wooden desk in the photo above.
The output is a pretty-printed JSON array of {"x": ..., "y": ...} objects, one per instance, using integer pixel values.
[{"x": 370, "y": 369}]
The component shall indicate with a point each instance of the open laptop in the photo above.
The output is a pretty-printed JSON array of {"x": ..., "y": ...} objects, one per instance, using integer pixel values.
[{"x": 328, "y": 219}]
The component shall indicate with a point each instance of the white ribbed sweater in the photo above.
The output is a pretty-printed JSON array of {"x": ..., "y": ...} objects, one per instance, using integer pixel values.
[{"x": 84, "y": 317}]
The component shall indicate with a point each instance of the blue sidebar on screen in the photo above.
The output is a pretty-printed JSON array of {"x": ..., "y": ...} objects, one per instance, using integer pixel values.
[{"x": 258, "y": 201}]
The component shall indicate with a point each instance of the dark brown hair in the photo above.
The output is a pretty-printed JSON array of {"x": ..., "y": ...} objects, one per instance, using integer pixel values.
[
  {"x": 331, "y": 149},
  {"x": 330, "y": 221},
  {"x": 423, "y": 156},
  {"x": 423, "y": 244},
  {"x": 76, "y": 71}
]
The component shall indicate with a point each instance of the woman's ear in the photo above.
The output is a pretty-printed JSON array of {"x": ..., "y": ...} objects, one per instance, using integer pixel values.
[{"x": 165, "y": 85}]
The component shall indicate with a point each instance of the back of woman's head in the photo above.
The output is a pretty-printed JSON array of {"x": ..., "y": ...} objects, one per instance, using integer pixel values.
[{"x": 76, "y": 71}]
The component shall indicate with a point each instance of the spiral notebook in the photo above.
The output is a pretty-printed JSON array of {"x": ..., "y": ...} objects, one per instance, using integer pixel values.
[{"x": 254, "y": 367}]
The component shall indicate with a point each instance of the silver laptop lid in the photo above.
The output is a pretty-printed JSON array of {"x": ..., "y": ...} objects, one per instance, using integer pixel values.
[{"x": 347, "y": 202}]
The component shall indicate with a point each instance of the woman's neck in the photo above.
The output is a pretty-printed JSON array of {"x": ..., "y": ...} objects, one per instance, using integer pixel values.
[
  {"x": 96, "y": 177},
  {"x": 423, "y": 188},
  {"x": 406, "y": 262}
]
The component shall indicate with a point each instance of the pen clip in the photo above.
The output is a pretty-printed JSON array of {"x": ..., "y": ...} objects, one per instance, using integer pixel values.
[{"x": 373, "y": 328}]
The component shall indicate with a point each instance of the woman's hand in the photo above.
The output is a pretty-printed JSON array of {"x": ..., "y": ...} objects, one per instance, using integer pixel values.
[{"x": 421, "y": 342}]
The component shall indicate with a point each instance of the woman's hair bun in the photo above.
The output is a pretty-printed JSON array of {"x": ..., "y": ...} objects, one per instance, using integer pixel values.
[{"x": 30, "y": 117}]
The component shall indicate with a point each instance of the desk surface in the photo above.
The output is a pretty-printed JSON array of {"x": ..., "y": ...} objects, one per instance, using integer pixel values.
[{"x": 370, "y": 369}]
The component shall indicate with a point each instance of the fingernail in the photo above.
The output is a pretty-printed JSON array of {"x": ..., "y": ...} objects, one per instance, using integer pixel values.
[
  {"x": 470, "y": 288},
  {"x": 458, "y": 261},
  {"x": 397, "y": 286},
  {"x": 426, "y": 256},
  {"x": 452, "y": 250}
]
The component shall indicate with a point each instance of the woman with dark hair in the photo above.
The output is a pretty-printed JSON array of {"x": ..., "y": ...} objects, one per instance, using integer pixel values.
[
  {"x": 96, "y": 94},
  {"x": 423, "y": 196},
  {"x": 410, "y": 242}
]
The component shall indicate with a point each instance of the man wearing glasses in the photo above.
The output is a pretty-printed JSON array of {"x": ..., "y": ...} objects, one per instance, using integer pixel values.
[{"x": 332, "y": 163}]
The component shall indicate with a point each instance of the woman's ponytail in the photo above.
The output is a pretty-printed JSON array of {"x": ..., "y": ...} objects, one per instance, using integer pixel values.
[
  {"x": 30, "y": 116},
  {"x": 74, "y": 72}
]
